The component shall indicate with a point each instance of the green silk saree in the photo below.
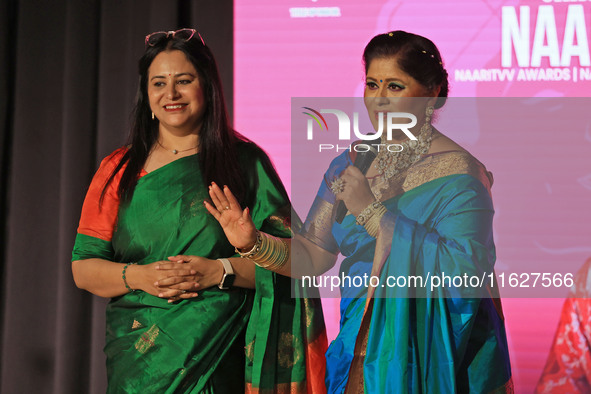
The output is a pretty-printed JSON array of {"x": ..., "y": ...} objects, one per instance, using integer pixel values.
[{"x": 258, "y": 340}]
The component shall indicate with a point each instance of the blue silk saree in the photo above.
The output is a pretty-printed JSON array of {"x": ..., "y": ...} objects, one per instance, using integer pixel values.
[{"x": 410, "y": 338}]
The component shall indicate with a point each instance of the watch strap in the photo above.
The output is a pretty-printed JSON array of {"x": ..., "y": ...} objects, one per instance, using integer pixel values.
[
  {"x": 228, "y": 273},
  {"x": 227, "y": 266}
]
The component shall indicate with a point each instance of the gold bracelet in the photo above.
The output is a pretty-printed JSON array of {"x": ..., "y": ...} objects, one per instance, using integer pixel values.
[
  {"x": 367, "y": 213},
  {"x": 373, "y": 224},
  {"x": 255, "y": 248},
  {"x": 269, "y": 252},
  {"x": 370, "y": 217}
]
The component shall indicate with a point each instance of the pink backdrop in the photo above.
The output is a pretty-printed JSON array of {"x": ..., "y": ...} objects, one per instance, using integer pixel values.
[{"x": 307, "y": 48}]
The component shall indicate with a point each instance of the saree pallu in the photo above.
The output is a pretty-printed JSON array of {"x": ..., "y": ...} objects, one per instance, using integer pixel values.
[
  {"x": 411, "y": 339},
  {"x": 198, "y": 345}
]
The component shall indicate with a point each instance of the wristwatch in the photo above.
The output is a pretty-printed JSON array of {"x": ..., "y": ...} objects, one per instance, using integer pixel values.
[{"x": 229, "y": 276}]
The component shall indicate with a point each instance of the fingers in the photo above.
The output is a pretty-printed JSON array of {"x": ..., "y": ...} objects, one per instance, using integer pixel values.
[
  {"x": 179, "y": 287},
  {"x": 354, "y": 190},
  {"x": 352, "y": 178},
  {"x": 231, "y": 199},
  {"x": 217, "y": 196},
  {"x": 221, "y": 201},
  {"x": 246, "y": 215},
  {"x": 175, "y": 269},
  {"x": 173, "y": 280},
  {"x": 185, "y": 286},
  {"x": 338, "y": 187},
  {"x": 348, "y": 180},
  {"x": 211, "y": 209},
  {"x": 178, "y": 259},
  {"x": 342, "y": 185},
  {"x": 354, "y": 172},
  {"x": 176, "y": 295},
  {"x": 352, "y": 175},
  {"x": 176, "y": 288}
]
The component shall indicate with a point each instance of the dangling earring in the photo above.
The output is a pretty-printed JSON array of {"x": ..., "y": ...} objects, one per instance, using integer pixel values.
[
  {"x": 152, "y": 115},
  {"x": 428, "y": 113}
]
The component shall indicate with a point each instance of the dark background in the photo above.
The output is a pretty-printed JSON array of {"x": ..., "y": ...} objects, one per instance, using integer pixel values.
[{"x": 68, "y": 78}]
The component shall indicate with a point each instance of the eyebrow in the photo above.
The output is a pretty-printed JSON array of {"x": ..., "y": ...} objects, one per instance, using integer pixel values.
[
  {"x": 176, "y": 75},
  {"x": 387, "y": 79}
]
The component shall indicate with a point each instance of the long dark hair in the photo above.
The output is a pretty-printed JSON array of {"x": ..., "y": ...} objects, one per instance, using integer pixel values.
[
  {"x": 417, "y": 56},
  {"x": 217, "y": 140}
]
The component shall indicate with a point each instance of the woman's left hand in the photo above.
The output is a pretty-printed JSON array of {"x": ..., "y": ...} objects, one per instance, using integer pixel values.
[
  {"x": 356, "y": 194},
  {"x": 208, "y": 273},
  {"x": 235, "y": 221}
]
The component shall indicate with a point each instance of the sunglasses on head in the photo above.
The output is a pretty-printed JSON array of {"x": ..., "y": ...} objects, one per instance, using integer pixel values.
[{"x": 182, "y": 34}]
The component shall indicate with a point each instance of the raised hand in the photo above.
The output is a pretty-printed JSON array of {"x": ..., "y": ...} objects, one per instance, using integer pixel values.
[{"x": 236, "y": 222}]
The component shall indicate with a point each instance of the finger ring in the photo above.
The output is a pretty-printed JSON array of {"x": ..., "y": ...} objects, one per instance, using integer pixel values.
[
  {"x": 226, "y": 207},
  {"x": 183, "y": 291},
  {"x": 337, "y": 186}
]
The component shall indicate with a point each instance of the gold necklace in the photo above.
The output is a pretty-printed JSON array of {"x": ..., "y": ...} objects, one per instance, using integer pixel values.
[
  {"x": 176, "y": 151},
  {"x": 389, "y": 163}
]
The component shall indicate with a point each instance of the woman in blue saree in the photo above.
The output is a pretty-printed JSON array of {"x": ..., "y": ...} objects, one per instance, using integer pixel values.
[{"x": 421, "y": 213}]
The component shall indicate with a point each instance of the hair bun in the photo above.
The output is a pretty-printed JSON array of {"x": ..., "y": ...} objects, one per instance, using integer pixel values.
[{"x": 416, "y": 55}]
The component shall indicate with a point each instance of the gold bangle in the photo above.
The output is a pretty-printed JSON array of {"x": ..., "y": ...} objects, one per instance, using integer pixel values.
[
  {"x": 373, "y": 224},
  {"x": 367, "y": 213},
  {"x": 255, "y": 248},
  {"x": 370, "y": 217},
  {"x": 269, "y": 252}
]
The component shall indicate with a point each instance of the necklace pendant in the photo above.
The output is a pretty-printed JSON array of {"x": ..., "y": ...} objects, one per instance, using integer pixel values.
[{"x": 175, "y": 151}]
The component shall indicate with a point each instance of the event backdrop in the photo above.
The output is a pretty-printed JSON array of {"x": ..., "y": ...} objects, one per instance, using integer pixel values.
[{"x": 533, "y": 49}]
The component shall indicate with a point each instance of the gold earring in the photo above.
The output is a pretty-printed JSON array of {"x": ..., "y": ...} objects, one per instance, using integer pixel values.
[{"x": 152, "y": 115}]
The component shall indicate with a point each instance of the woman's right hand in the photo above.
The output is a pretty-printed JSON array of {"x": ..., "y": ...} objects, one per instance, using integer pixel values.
[
  {"x": 149, "y": 277},
  {"x": 236, "y": 222}
]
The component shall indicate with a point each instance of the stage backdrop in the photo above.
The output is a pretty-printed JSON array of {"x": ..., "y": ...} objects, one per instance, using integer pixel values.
[{"x": 493, "y": 48}]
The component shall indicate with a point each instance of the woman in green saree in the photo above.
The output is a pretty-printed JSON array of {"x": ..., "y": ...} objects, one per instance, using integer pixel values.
[
  {"x": 420, "y": 212},
  {"x": 185, "y": 316}
]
